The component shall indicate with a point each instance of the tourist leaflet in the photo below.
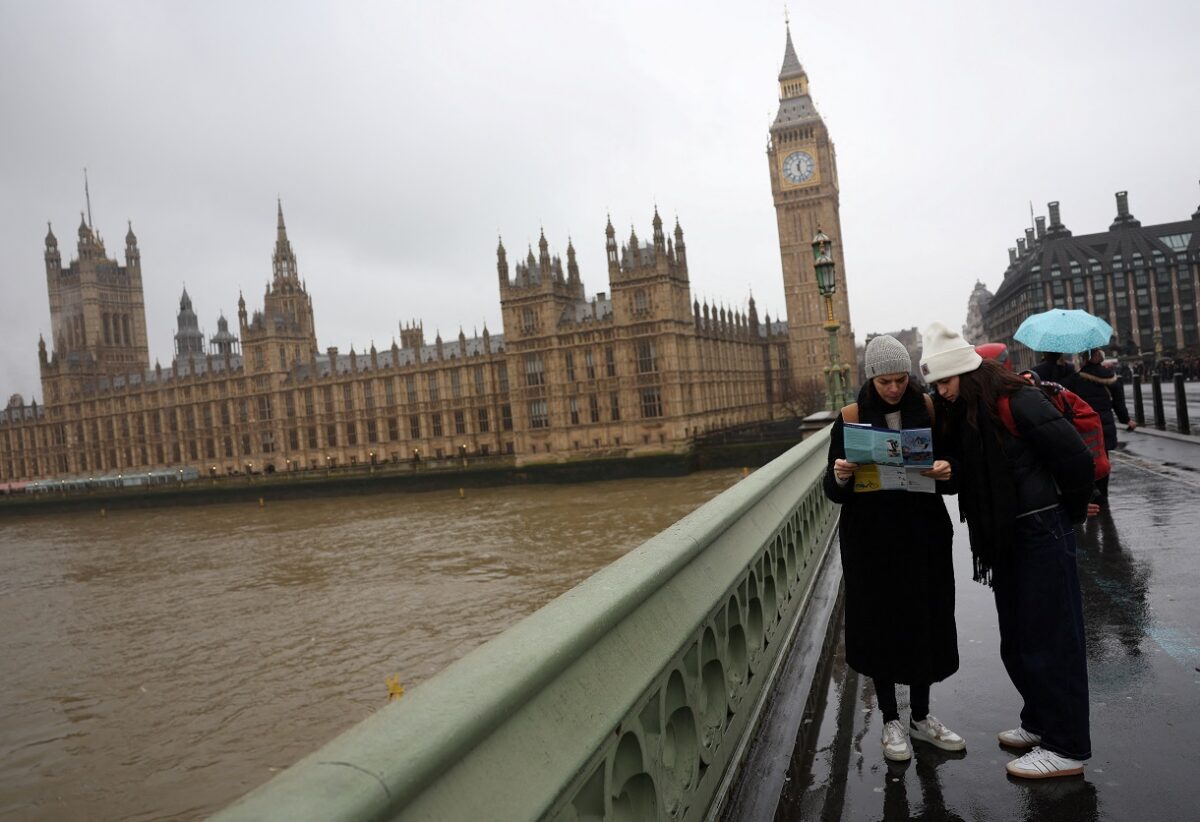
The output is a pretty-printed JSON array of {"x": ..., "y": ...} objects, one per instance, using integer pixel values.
[{"x": 889, "y": 460}]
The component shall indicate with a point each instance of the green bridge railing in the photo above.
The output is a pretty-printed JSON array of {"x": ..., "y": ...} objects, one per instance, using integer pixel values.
[{"x": 628, "y": 697}]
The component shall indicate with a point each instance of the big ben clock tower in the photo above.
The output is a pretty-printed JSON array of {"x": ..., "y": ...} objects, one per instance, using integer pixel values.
[{"x": 804, "y": 184}]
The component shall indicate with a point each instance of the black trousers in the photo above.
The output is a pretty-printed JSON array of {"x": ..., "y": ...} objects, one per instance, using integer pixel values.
[
  {"x": 1040, "y": 612},
  {"x": 918, "y": 700}
]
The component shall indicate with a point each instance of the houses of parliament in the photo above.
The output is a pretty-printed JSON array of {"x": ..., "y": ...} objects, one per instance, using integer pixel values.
[{"x": 638, "y": 369}]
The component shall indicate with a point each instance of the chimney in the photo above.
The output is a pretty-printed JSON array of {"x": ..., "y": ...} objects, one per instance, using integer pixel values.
[
  {"x": 1124, "y": 218},
  {"x": 1041, "y": 227},
  {"x": 1021, "y": 246},
  {"x": 1029, "y": 238},
  {"x": 1055, "y": 220},
  {"x": 1012, "y": 256}
]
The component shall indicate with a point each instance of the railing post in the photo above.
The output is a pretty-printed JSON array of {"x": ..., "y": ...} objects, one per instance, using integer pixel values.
[
  {"x": 1139, "y": 408},
  {"x": 1181, "y": 410},
  {"x": 1156, "y": 397}
]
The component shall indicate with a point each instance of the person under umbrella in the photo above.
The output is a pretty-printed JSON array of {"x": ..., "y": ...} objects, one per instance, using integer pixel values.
[
  {"x": 1054, "y": 368},
  {"x": 1100, "y": 388}
]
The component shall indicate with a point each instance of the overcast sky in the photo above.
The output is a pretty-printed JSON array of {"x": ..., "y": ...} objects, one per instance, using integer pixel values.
[{"x": 403, "y": 136}]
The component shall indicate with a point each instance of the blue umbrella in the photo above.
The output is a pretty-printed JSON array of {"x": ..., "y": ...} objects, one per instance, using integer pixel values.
[{"x": 1063, "y": 331}]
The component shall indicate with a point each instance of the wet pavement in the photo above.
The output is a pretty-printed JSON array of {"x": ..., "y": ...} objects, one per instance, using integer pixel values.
[{"x": 1140, "y": 576}]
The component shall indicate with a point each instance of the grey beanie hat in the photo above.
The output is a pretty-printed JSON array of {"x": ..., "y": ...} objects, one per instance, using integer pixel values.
[{"x": 886, "y": 355}]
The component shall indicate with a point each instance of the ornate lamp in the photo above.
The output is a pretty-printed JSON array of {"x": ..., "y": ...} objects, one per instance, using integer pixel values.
[{"x": 836, "y": 390}]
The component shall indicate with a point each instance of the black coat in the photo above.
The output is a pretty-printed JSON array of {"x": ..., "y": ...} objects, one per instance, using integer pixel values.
[
  {"x": 1001, "y": 476},
  {"x": 896, "y": 564},
  {"x": 1101, "y": 389}
]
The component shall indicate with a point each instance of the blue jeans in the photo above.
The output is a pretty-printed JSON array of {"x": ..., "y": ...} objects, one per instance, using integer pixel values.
[{"x": 1041, "y": 632}]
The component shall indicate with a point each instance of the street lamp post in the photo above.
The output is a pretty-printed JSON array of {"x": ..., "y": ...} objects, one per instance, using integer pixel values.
[{"x": 836, "y": 389}]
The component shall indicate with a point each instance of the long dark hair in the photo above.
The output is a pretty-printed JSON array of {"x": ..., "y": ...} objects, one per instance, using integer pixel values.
[{"x": 985, "y": 385}]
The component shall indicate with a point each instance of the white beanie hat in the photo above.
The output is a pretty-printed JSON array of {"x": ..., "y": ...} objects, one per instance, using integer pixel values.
[
  {"x": 945, "y": 354},
  {"x": 886, "y": 355}
]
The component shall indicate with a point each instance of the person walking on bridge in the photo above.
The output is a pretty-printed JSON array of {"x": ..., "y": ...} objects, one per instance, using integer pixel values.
[
  {"x": 1019, "y": 496},
  {"x": 895, "y": 549},
  {"x": 1100, "y": 388}
]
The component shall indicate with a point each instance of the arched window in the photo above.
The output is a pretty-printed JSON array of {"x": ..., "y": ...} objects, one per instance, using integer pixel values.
[{"x": 639, "y": 302}]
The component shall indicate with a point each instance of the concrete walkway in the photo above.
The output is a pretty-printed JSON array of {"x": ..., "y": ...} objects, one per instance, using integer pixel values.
[{"x": 1140, "y": 573}]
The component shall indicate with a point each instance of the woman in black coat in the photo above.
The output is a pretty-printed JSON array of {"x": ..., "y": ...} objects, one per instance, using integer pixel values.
[{"x": 897, "y": 568}]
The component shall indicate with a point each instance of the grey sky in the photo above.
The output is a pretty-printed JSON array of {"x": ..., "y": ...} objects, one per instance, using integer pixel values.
[{"x": 403, "y": 136}]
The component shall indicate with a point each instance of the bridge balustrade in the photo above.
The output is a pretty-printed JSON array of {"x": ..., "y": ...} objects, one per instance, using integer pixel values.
[{"x": 630, "y": 696}]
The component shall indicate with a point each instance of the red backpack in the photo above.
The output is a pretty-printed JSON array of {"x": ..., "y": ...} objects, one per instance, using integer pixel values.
[{"x": 1076, "y": 411}]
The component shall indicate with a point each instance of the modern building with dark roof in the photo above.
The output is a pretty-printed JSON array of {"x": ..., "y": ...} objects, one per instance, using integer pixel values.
[{"x": 1143, "y": 279}]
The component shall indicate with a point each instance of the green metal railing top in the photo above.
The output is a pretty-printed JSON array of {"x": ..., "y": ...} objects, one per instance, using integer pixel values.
[{"x": 622, "y": 698}]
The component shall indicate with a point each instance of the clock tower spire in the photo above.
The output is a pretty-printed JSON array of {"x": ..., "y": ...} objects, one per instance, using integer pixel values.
[{"x": 803, "y": 166}]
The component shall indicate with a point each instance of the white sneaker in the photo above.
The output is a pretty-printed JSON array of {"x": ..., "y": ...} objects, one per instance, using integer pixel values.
[
  {"x": 931, "y": 730},
  {"x": 1043, "y": 764},
  {"x": 895, "y": 742},
  {"x": 1018, "y": 738}
]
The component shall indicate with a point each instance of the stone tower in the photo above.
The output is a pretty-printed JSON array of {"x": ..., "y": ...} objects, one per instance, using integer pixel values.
[
  {"x": 97, "y": 314},
  {"x": 282, "y": 334},
  {"x": 804, "y": 185}
]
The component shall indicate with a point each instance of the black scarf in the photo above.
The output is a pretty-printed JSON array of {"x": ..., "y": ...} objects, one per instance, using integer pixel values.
[{"x": 987, "y": 493}]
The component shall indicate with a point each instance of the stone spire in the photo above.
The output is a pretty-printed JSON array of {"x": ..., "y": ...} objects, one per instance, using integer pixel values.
[
  {"x": 283, "y": 260},
  {"x": 791, "y": 63},
  {"x": 501, "y": 261},
  {"x": 572, "y": 266}
]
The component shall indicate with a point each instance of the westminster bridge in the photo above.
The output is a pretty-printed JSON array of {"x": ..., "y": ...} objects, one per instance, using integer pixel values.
[{"x": 698, "y": 676}]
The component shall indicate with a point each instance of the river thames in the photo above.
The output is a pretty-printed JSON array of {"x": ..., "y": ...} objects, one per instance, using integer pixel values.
[{"x": 158, "y": 664}]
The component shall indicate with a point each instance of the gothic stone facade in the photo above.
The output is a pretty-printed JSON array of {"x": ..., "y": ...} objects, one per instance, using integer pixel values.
[{"x": 640, "y": 369}]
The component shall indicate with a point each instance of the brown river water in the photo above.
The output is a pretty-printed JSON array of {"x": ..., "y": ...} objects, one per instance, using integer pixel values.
[{"x": 158, "y": 664}]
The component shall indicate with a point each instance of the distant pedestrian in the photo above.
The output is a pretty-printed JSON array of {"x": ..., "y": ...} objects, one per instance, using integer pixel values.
[
  {"x": 1054, "y": 368},
  {"x": 1019, "y": 496},
  {"x": 1100, "y": 388},
  {"x": 896, "y": 561}
]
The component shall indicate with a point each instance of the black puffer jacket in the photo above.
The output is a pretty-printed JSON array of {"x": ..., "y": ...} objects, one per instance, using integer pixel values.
[
  {"x": 1001, "y": 476},
  {"x": 1101, "y": 389},
  {"x": 1059, "y": 372}
]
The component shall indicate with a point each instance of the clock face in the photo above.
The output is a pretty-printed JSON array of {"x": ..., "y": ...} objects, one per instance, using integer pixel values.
[{"x": 798, "y": 167}]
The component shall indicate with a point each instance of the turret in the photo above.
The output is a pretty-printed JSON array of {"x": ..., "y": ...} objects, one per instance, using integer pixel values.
[
  {"x": 660, "y": 244},
  {"x": 223, "y": 341},
  {"x": 242, "y": 312},
  {"x": 572, "y": 266},
  {"x": 53, "y": 257},
  {"x": 133, "y": 257},
  {"x": 502, "y": 263},
  {"x": 610, "y": 245},
  {"x": 680, "y": 248},
  {"x": 543, "y": 256}
]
